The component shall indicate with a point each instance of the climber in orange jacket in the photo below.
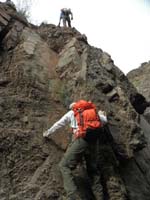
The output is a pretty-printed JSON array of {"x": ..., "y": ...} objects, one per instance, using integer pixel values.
[{"x": 81, "y": 143}]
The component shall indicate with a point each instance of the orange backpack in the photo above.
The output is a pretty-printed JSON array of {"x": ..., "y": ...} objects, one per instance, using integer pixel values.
[{"x": 86, "y": 116}]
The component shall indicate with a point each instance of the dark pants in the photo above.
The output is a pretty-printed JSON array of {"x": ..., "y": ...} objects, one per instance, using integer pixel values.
[
  {"x": 76, "y": 150},
  {"x": 66, "y": 19}
]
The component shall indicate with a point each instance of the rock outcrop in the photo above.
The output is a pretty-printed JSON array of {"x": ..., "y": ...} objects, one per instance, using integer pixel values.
[
  {"x": 140, "y": 79},
  {"x": 43, "y": 69}
]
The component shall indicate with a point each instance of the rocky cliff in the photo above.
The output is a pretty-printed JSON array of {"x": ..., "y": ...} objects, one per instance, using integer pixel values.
[
  {"x": 43, "y": 69},
  {"x": 140, "y": 79}
]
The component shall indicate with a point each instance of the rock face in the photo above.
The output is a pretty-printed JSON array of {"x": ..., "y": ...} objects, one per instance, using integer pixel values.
[
  {"x": 43, "y": 69},
  {"x": 140, "y": 79}
]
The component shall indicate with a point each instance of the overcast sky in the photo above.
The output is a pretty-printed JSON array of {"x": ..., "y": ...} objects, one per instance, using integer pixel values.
[{"x": 119, "y": 27}]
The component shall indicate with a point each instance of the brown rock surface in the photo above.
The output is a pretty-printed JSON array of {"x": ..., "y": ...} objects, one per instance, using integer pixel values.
[{"x": 140, "y": 78}]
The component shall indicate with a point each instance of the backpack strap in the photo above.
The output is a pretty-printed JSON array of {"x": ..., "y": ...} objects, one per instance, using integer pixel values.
[{"x": 81, "y": 122}]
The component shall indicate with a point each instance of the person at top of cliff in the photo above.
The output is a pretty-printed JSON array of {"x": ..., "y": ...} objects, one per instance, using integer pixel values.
[
  {"x": 65, "y": 17},
  {"x": 86, "y": 126}
]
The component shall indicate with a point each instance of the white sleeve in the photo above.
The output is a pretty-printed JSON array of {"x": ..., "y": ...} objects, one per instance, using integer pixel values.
[
  {"x": 103, "y": 119},
  {"x": 62, "y": 122}
]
